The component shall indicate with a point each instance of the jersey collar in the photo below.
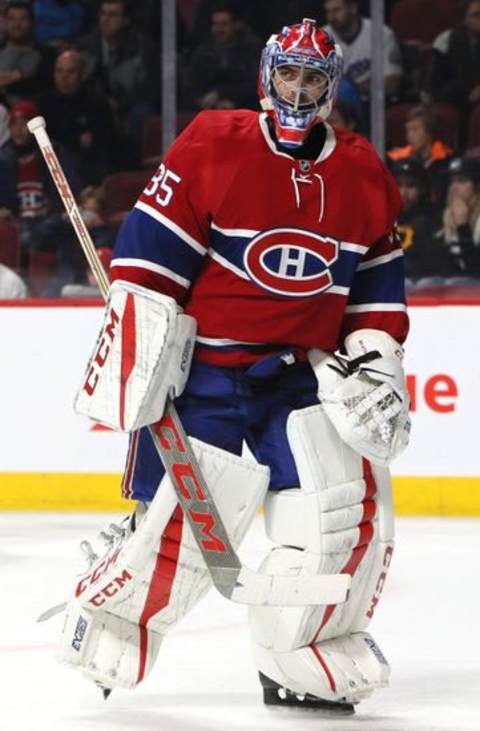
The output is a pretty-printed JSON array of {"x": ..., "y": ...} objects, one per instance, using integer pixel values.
[{"x": 328, "y": 147}]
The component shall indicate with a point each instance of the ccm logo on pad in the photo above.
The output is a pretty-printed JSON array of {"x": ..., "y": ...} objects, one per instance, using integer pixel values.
[{"x": 101, "y": 353}]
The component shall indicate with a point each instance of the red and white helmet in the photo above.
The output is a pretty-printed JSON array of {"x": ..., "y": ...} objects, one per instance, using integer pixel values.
[{"x": 300, "y": 71}]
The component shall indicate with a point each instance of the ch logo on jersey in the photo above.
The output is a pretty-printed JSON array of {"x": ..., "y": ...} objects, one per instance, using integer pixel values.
[{"x": 291, "y": 261}]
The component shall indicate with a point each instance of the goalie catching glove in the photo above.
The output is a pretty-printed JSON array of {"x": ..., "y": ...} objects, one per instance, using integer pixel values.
[
  {"x": 141, "y": 358},
  {"x": 364, "y": 394}
]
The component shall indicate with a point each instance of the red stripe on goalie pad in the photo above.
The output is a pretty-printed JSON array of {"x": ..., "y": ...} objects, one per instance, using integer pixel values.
[
  {"x": 364, "y": 539},
  {"x": 127, "y": 490},
  {"x": 325, "y": 668},
  {"x": 129, "y": 352},
  {"x": 369, "y": 510},
  {"x": 161, "y": 583},
  {"x": 369, "y": 479}
]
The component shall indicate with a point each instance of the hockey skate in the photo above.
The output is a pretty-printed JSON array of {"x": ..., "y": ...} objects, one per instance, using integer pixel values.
[{"x": 275, "y": 695}]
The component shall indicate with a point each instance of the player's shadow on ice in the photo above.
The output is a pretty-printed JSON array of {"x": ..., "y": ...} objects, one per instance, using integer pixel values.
[{"x": 181, "y": 713}]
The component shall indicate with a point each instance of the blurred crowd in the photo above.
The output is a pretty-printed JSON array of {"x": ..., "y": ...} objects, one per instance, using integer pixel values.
[{"x": 92, "y": 68}]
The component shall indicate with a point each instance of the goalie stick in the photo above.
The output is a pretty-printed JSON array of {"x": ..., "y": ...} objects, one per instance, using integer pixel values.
[{"x": 230, "y": 577}]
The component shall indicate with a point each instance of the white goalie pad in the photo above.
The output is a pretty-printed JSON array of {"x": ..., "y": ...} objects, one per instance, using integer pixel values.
[
  {"x": 367, "y": 402},
  {"x": 149, "y": 579},
  {"x": 339, "y": 520},
  {"x": 347, "y": 668},
  {"x": 142, "y": 356}
]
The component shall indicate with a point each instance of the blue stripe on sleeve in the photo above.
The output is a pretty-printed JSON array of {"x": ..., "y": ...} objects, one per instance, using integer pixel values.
[
  {"x": 142, "y": 237},
  {"x": 383, "y": 283}
]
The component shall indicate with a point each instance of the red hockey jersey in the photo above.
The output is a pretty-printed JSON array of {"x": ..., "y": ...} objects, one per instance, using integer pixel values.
[{"x": 268, "y": 252}]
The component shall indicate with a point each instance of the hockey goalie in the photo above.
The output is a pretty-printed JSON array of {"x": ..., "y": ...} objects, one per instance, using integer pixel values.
[{"x": 258, "y": 282}]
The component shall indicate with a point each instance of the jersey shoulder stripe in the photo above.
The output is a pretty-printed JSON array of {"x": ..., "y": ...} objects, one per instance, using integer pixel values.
[
  {"x": 149, "y": 210},
  {"x": 155, "y": 246}
]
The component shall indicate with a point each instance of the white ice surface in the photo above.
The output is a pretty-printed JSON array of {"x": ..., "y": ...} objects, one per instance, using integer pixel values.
[{"x": 427, "y": 625}]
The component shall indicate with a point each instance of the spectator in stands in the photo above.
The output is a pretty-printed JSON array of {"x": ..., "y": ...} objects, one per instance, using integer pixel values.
[
  {"x": 57, "y": 22},
  {"x": 79, "y": 118},
  {"x": 422, "y": 135},
  {"x": 286, "y": 12},
  {"x": 89, "y": 287},
  {"x": 123, "y": 63},
  {"x": 223, "y": 69},
  {"x": 12, "y": 286},
  {"x": 147, "y": 17},
  {"x": 344, "y": 116},
  {"x": 4, "y": 127},
  {"x": 20, "y": 59},
  {"x": 417, "y": 222},
  {"x": 3, "y": 21},
  {"x": 424, "y": 145},
  {"x": 72, "y": 277},
  {"x": 460, "y": 234},
  {"x": 91, "y": 203},
  {"x": 261, "y": 17},
  {"x": 347, "y": 111},
  {"x": 455, "y": 67},
  {"x": 354, "y": 34},
  {"x": 27, "y": 193}
]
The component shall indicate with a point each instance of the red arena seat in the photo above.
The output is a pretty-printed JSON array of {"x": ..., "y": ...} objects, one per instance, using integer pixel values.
[
  {"x": 41, "y": 268},
  {"x": 9, "y": 245},
  {"x": 152, "y": 137},
  {"x": 152, "y": 142},
  {"x": 422, "y": 20},
  {"x": 121, "y": 191}
]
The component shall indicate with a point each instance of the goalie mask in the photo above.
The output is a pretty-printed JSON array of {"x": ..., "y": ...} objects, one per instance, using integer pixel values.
[{"x": 299, "y": 74}]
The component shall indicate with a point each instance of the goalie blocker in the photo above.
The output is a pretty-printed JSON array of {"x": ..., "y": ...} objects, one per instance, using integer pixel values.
[
  {"x": 365, "y": 395},
  {"x": 142, "y": 357}
]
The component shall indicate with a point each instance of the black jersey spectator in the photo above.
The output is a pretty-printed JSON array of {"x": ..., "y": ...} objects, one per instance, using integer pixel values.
[
  {"x": 57, "y": 22},
  {"x": 224, "y": 68},
  {"x": 417, "y": 222},
  {"x": 123, "y": 62},
  {"x": 460, "y": 234},
  {"x": 20, "y": 59},
  {"x": 78, "y": 117},
  {"x": 455, "y": 66}
]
